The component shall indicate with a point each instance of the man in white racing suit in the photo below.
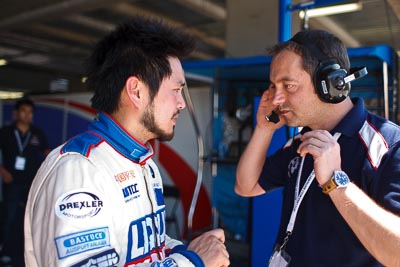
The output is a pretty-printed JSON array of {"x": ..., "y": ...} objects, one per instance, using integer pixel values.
[{"x": 97, "y": 199}]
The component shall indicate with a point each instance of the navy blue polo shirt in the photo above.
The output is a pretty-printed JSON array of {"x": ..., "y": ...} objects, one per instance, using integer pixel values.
[
  {"x": 33, "y": 152},
  {"x": 371, "y": 158}
]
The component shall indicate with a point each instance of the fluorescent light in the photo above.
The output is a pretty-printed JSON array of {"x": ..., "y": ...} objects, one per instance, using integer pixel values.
[
  {"x": 3, "y": 62},
  {"x": 330, "y": 10},
  {"x": 10, "y": 94}
]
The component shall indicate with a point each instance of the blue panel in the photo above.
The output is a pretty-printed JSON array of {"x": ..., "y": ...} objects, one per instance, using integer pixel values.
[
  {"x": 8, "y": 110},
  {"x": 76, "y": 124},
  {"x": 380, "y": 52},
  {"x": 233, "y": 210},
  {"x": 266, "y": 213},
  {"x": 50, "y": 120}
]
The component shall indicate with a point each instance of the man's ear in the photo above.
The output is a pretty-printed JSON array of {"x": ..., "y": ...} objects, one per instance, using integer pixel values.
[{"x": 133, "y": 90}]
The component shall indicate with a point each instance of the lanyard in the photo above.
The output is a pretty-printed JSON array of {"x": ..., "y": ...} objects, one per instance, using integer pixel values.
[
  {"x": 298, "y": 197},
  {"x": 21, "y": 146}
]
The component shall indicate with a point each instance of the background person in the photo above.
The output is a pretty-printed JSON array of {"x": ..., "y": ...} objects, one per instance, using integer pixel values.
[
  {"x": 101, "y": 193},
  {"x": 341, "y": 174},
  {"x": 23, "y": 149}
]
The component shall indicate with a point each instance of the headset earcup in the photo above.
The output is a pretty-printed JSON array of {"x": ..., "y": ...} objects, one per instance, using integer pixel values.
[{"x": 329, "y": 83}]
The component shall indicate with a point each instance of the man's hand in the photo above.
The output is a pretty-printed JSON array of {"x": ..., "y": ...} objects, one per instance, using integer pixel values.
[
  {"x": 325, "y": 151},
  {"x": 265, "y": 108},
  {"x": 211, "y": 249},
  {"x": 7, "y": 177}
]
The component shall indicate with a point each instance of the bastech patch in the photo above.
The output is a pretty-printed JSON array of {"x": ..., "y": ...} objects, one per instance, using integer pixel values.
[{"x": 80, "y": 242}]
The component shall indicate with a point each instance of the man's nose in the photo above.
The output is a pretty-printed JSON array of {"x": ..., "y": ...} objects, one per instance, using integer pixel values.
[
  {"x": 278, "y": 97},
  {"x": 181, "y": 104}
]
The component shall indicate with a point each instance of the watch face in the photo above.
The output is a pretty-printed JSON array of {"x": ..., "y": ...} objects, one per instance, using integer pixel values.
[{"x": 341, "y": 178}]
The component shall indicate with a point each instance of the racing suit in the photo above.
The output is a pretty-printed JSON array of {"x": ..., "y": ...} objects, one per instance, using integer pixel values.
[{"x": 97, "y": 201}]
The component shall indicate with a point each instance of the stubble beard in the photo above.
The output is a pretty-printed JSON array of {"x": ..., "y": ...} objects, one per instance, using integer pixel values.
[{"x": 149, "y": 122}]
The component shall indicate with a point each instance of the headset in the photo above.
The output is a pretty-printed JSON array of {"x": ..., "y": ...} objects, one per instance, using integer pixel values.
[{"x": 330, "y": 79}]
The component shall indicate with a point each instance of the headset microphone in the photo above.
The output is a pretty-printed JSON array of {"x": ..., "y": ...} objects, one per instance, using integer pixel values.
[{"x": 356, "y": 73}]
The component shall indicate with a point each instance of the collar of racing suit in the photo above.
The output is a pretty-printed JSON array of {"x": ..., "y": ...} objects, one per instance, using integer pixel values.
[{"x": 120, "y": 139}]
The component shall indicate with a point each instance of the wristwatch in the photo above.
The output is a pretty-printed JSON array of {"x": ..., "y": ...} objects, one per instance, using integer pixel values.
[{"x": 339, "y": 179}]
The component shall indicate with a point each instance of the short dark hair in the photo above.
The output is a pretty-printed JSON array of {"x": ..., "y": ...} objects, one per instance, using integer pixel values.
[
  {"x": 141, "y": 48},
  {"x": 329, "y": 44},
  {"x": 24, "y": 101}
]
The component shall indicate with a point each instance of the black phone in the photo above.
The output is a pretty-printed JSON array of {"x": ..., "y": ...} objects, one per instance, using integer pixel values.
[{"x": 273, "y": 117}]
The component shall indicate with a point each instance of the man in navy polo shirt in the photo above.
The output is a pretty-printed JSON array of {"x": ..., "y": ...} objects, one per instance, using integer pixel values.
[{"x": 341, "y": 174}]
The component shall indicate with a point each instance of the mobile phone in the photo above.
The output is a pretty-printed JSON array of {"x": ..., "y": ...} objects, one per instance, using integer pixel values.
[{"x": 273, "y": 117}]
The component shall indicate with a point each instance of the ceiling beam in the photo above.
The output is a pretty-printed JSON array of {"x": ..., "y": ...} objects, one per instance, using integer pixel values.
[
  {"x": 336, "y": 29},
  {"x": 86, "y": 21},
  {"x": 65, "y": 34},
  {"x": 395, "y": 6},
  {"x": 130, "y": 10},
  {"x": 62, "y": 7},
  {"x": 206, "y": 8}
]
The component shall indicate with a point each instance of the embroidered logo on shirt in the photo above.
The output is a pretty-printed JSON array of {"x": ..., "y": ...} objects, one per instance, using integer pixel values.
[
  {"x": 293, "y": 166},
  {"x": 78, "y": 204},
  {"x": 80, "y": 242},
  {"x": 165, "y": 263},
  {"x": 124, "y": 176},
  {"x": 108, "y": 258},
  {"x": 146, "y": 238},
  {"x": 130, "y": 192},
  {"x": 35, "y": 141}
]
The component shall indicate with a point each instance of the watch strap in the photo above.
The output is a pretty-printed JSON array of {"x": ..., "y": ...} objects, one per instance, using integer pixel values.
[{"x": 329, "y": 186}]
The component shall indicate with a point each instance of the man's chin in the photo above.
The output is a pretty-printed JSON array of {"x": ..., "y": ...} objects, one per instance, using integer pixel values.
[{"x": 165, "y": 137}]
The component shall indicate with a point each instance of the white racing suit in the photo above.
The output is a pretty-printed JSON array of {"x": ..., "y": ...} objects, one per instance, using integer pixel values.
[{"x": 97, "y": 201}]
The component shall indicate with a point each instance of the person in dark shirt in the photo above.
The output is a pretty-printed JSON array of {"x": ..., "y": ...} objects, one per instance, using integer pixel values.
[
  {"x": 341, "y": 174},
  {"x": 23, "y": 149}
]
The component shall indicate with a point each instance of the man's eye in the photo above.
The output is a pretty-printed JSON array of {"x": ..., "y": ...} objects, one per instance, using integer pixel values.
[{"x": 290, "y": 87}]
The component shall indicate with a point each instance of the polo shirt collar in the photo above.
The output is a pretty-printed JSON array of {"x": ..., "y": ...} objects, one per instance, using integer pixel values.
[{"x": 354, "y": 119}]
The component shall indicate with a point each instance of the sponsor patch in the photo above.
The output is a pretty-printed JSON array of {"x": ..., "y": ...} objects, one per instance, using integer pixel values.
[
  {"x": 80, "y": 242},
  {"x": 141, "y": 242},
  {"x": 165, "y": 263},
  {"x": 107, "y": 258},
  {"x": 130, "y": 192},
  {"x": 124, "y": 176},
  {"x": 78, "y": 204}
]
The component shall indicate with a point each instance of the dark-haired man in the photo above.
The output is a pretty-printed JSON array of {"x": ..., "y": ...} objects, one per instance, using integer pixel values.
[
  {"x": 341, "y": 174},
  {"x": 100, "y": 192},
  {"x": 23, "y": 149}
]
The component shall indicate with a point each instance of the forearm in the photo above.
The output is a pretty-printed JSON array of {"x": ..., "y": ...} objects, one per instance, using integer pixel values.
[
  {"x": 377, "y": 229},
  {"x": 251, "y": 163},
  {"x": 5, "y": 175},
  {"x": 3, "y": 171}
]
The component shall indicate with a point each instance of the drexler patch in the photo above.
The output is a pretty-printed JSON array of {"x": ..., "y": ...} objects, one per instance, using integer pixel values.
[{"x": 78, "y": 204}]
